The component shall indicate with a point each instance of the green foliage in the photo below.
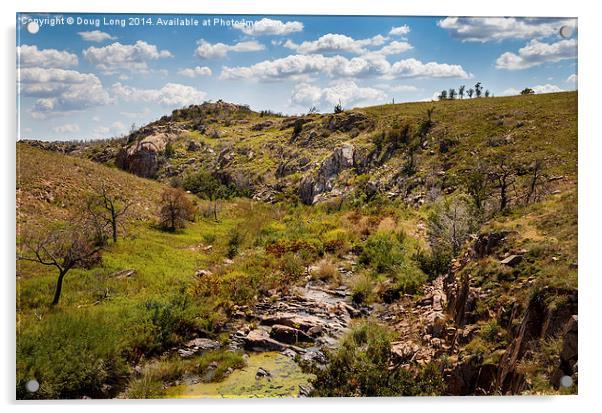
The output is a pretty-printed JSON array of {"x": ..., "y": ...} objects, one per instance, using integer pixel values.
[
  {"x": 207, "y": 186},
  {"x": 433, "y": 264},
  {"x": 70, "y": 355},
  {"x": 360, "y": 367},
  {"x": 169, "y": 150},
  {"x": 383, "y": 252},
  {"x": 338, "y": 108},
  {"x": 235, "y": 239}
]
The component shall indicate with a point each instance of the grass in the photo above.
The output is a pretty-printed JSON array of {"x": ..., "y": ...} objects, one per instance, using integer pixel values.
[{"x": 106, "y": 324}]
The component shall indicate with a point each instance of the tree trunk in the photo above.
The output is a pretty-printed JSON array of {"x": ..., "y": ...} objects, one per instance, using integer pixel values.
[
  {"x": 114, "y": 225},
  {"x": 59, "y": 287}
]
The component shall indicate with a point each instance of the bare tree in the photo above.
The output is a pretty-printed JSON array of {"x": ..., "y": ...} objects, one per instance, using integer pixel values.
[
  {"x": 461, "y": 90},
  {"x": 108, "y": 209},
  {"x": 535, "y": 183},
  {"x": 450, "y": 224},
  {"x": 503, "y": 176},
  {"x": 63, "y": 249}
]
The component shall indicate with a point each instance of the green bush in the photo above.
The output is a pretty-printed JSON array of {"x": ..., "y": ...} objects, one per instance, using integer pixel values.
[
  {"x": 361, "y": 367},
  {"x": 235, "y": 239},
  {"x": 383, "y": 252},
  {"x": 70, "y": 355}
]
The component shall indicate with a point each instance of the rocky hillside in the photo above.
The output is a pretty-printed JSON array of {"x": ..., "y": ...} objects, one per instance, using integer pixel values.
[
  {"x": 413, "y": 150},
  {"x": 451, "y": 225}
]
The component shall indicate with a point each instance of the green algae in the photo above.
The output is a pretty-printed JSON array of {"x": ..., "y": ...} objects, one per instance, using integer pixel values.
[{"x": 286, "y": 376}]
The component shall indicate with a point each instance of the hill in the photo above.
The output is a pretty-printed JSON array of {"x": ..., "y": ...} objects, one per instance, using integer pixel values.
[{"x": 441, "y": 235}]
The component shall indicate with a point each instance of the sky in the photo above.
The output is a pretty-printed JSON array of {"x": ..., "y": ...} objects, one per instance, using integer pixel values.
[{"x": 90, "y": 76}]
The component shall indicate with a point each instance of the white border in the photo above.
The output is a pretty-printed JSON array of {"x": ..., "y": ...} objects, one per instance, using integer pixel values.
[{"x": 590, "y": 154}]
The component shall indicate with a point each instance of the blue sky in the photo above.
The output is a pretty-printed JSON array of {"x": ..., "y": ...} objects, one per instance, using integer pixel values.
[{"x": 85, "y": 76}]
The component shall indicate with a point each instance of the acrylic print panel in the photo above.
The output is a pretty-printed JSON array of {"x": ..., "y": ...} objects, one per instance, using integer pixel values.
[{"x": 295, "y": 206}]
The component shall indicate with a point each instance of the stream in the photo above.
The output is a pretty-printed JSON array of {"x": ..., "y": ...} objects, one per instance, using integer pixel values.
[{"x": 281, "y": 331}]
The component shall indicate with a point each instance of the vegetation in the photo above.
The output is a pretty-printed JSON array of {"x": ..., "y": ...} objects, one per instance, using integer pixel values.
[
  {"x": 360, "y": 367},
  {"x": 427, "y": 180}
]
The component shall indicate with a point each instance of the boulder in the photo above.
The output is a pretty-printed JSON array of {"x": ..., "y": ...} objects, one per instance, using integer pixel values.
[
  {"x": 259, "y": 340},
  {"x": 512, "y": 260},
  {"x": 300, "y": 322},
  {"x": 289, "y": 335}
]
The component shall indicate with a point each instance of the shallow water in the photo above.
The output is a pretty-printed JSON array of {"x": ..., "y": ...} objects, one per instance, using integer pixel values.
[{"x": 286, "y": 376}]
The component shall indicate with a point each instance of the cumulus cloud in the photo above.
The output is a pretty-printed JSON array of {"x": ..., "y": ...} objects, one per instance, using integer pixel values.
[
  {"x": 547, "y": 88},
  {"x": 270, "y": 27},
  {"x": 486, "y": 29},
  {"x": 196, "y": 71},
  {"x": 400, "y": 30},
  {"x": 416, "y": 68},
  {"x": 172, "y": 94},
  {"x": 335, "y": 43},
  {"x": 394, "y": 48},
  {"x": 132, "y": 57},
  {"x": 31, "y": 56},
  {"x": 59, "y": 90},
  {"x": 346, "y": 92},
  {"x": 536, "y": 53},
  {"x": 206, "y": 50},
  {"x": 572, "y": 79},
  {"x": 66, "y": 128},
  {"x": 96, "y": 36},
  {"x": 299, "y": 67}
]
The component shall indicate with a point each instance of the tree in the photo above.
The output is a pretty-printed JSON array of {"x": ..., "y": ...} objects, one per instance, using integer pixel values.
[
  {"x": 450, "y": 224},
  {"x": 452, "y": 93},
  {"x": 487, "y": 93},
  {"x": 175, "y": 210},
  {"x": 461, "y": 90},
  {"x": 470, "y": 92},
  {"x": 478, "y": 89},
  {"x": 503, "y": 176},
  {"x": 476, "y": 186},
  {"x": 535, "y": 182},
  {"x": 443, "y": 95},
  {"x": 206, "y": 186},
  {"x": 106, "y": 209},
  {"x": 338, "y": 108},
  {"x": 527, "y": 91},
  {"x": 63, "y": 249}
]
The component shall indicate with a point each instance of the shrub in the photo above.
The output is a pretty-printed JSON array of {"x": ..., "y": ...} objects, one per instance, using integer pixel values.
[
  {"x": 235, "y": 239},
  {"x": 361, "y": 288},
  {"x": 327, "y": 271},
  {"x": 70, "y": 355},
  {"x": 175, "y": 210},
  {"x": 291, "y": 266},
  {"x": 433, "y": 265},
  {"x": 361, "y": 367},
  {"x": 382, "y": 251}
]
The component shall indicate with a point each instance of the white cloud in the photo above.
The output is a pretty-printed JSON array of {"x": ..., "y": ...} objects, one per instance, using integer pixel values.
[
  {"x": 172, "y": 94},
  {"x": 572, "y": 79},
  {"x": 270, "y": 27},
  {"x": 547, "y": 88},
  {"x": 485, "y": 29},
  {"x": 536, "y": 53},
  {"x": 335, "y": 43},
  {"x": 401, "y": 88},
  {"x": 416, "y": 68},
  {"x": 346, "y": 92},
  {"x": 299, "y": 67},
  {"x": 118, "y": 126},
  {"x": 59, "y": 90},
  {"x": 196, "y": 71},
  {"x": 394, "y": 48},
  {"x": 66, "y": 128},
  {"x": 400, "y": 30},
  {"x": 96, "y": 36},
  {"x": 31, "y": 56},
  {"x": 132, "y": 57},
  {"x": 206, "y": 50}
]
